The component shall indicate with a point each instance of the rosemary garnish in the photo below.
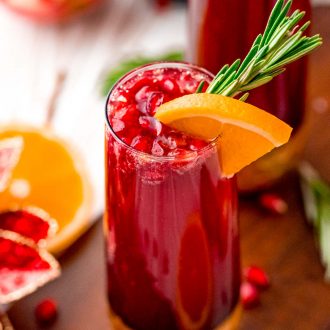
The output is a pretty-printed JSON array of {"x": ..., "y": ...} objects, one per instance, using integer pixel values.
[{"x": 281, "y": 43}]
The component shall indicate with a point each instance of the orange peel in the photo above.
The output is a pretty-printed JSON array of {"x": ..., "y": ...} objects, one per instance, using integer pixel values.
[{"x": 244, "y": 132}]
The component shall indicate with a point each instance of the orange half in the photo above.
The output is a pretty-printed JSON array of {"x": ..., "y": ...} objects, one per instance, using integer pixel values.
[
  {"x": 49, "y": 175},
  {"x": 244, "y": 132}
]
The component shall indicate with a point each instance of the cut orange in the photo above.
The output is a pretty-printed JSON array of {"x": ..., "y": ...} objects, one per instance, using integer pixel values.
[
  {"x": 49, "y": 175},
  {"x": 244, "y": 133}
]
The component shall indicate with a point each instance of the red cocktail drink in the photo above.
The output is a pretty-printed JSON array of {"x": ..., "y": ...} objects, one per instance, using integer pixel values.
[{"x": 171, "y": 218}]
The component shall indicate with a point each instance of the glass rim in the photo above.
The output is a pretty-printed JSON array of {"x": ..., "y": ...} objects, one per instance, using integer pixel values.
[{"x": 190, "y": 155}]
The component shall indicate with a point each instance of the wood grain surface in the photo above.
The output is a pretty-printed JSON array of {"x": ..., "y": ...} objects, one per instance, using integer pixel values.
[{"x": 284, "y": 245}]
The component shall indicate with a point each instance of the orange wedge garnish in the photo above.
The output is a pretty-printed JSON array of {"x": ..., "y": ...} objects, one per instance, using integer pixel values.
[
  {"x": 244, "y": 132},
  {"x": 49, "y": 175}
]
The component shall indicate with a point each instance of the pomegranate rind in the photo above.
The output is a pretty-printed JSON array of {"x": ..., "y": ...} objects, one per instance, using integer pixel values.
[
  {"x": 38, "y": 214},
  {"x": 30, "y": 280},
  {"x": 10, "y": 151}
]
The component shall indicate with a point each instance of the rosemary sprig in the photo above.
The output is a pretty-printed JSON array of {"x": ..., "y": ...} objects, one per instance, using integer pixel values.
[{"x": 281, "y": 43}]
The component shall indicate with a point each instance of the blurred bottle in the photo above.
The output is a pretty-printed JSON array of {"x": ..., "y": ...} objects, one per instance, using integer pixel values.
[
  {"x": 51, "y": 11},
  {"x": 220, "y": 31}
]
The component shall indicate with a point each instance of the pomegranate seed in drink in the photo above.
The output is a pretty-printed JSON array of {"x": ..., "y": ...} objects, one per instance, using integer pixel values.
[
  {"x": 151, "y": 123},
  {"x": 139, "y": 143},
  {"x": 157, "y": 150},
  {"x": 154, "y": 100}
]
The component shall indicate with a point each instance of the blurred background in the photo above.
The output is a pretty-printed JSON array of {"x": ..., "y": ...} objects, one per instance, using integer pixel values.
[
  {"x": 82, "y": 41},
  {"x": 35, "y": 50}
]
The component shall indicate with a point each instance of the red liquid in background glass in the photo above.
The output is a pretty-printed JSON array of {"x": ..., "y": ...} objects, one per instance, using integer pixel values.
[
  {"x": 171, "y": 223},
  {"x": 223, "y": 30}
]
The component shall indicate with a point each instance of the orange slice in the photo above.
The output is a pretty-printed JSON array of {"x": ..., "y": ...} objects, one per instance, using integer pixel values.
[
  {"x": 49, "y": 175},
  {"x": 244, "y": 132},
  {"x": 194, "y": 280}
]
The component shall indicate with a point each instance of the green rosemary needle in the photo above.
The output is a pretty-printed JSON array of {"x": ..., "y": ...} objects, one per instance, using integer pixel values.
[{"x": 281, "y": 43}]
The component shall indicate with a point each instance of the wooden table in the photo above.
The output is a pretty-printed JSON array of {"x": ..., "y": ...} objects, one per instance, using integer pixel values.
[{"x": 283, "y": 245}]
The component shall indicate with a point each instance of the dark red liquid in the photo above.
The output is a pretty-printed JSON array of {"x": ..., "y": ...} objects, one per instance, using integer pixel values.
[
  {"x": 223, "y": 30},
  {"x": 171, "y": 219}
]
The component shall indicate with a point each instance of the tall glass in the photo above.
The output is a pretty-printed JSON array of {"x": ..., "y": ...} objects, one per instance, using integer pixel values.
[
  {"x": 220, "y": 31},
  {"x": 172, "y": 240}
]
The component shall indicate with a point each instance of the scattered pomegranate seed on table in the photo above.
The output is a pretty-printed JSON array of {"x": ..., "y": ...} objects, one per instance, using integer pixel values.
[
  {"x": 256, "y": 276},
  {"x": 46, "y": 311},
  {"x": 274, "y": 203},
  {"x": 250, "y": 296},
  {"x": 255, "y": 280}
]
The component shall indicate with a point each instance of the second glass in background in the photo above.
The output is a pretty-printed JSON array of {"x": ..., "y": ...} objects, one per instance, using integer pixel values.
[{"x": 220, "y": 31}]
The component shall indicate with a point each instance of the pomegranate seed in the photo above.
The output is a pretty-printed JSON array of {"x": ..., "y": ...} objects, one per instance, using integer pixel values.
[
  {"x": 134, "y": 86},
  {"x": 46, "y": 311},
  {"x": 142, "y": 94},
  {"x": 179, "y": 152},
  {"x": 168, "y": 85},
  {"x": 122, "y": 99},
  {"x": 140, "y": 143},
  {"x": 151, "y": 123},
  {"x": 117, "y": 125},
  {"x": 157, "y": 150},
  {"x": 273, "y": 203},
  {"x": 180, "y": 140},
  {"x": 167, "y": 142},
  {"x": 250, "y": 296},
  {"x": 197, "y": 145},
  {"x": 144, "y": 121},
  {"x": 257, "y": 276},
  {"x": 127, "y": 140},
  {"x": 127, "y": 113},
  {"x": 155, "y": 99}
]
